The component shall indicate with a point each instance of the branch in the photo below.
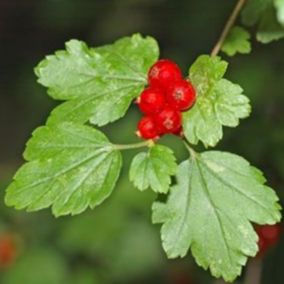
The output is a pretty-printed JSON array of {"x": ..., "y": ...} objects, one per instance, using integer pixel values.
[
  {"x": 254, "y": 271},
  {"x": 231, "y": 21}
]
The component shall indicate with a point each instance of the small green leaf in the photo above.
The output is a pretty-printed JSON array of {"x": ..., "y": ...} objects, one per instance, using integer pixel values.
[
  {"x": 219, "y": 102},
  {"x": 71, "y": 167},
  {"x": 210, "y": 209},
  {"x": 206, "y": 71},
  {"x": 254, "y": 10},
  {"x": 279, "y": 5},
  {"x": 153, "y": 169},
  {"x": 98, "y": 84},
  {"x": 268, "y": 15},
  {"x": 269, "y": 28},
  {"x": 237, "y": 42}
]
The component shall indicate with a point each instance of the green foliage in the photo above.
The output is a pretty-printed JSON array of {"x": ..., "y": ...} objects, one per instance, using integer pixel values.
[
  {"x": 237, "y": 42},
  {"x": 219, "y": 102},
  {"x": 70, "y": 168},
  {"x": 268, "y": 15},
  {"x": 153, "y": 169},
  {"x": 84, "y": 276},
  {"x": 279, "y": 4},
  {"x": 254, "y": 10},
  {"x": 42, "y": 266},
  {"x": 269, "y": 28},
  {"x": 98, "y": 84},
  {"x": 203, "y": 212},
  {"x": 77, "y": 236},
  {"x": 119, "y": 227},
  {"x": 140, "y": 242}
]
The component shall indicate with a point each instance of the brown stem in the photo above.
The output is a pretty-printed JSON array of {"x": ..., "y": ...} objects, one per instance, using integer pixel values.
[
  {"x": 231, "y": 21},
  {"x": 253, "y": 273}
]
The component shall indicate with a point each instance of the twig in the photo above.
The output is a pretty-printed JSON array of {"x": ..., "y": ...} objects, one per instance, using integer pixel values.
[
  {"x": 231, "y": 21},
  {"x": 253, "y": 273}
]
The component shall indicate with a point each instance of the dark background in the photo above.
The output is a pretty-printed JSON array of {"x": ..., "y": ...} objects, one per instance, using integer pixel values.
[{"x": 116, "y": 242}]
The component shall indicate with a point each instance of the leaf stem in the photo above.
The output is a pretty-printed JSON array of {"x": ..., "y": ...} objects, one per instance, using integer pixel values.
[
  {"x": 147, "y": 143},
  {"x": 191, "y": 151},
  {"x": 231, "y": 21}
]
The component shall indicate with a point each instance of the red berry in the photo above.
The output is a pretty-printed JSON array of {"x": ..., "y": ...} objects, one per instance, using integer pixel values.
[
  {"x": 147, "y": 128},
  {"x": 7, "y": 250},
  {"x": 262, "y": 247},
  {"x": 181, "y": 95},
  {"x": 164, "y": 73},
  {"x": 268, "y": 236},
  {"x": 270, "y": 233},
  {"x": 168, "y": 120},
  {"x": 151, "y": 100}
]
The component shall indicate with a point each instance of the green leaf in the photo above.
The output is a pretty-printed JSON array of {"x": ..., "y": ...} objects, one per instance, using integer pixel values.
[
  {"x": 219, "y": 102},
  {"x": 98, "y": 84},
  {"x": 254, "y": 10},
  {"x": 210, "y": 209},
  {"x": 206, "y": 71},
  {"x": 268, "y": 15},
  {"x": 279, "y": 5},
  {"x": 71, "y": 167},
  {"x": 153, "y": 169},
  {"x": 237, "y": 42},
  {"x": 269, "y": 28}
]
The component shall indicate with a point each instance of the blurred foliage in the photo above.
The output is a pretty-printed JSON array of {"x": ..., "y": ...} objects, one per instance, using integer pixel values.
[{"x": 116, "y": 243}]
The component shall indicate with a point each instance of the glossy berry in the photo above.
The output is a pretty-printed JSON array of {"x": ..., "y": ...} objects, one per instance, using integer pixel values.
[
  {"x": 7, "y": 250},
  {"x": 271, "y": 233},
  {"x": 168, "y": 120},
  {"x": 268, "y": 237},
  {"x": 181, "y": 95},
  {"x": 147, "y": 128},
  {"x": 151, "y": 101},
  {"x": 164, "y": 73},
  {"x": 262, "y": 247}
]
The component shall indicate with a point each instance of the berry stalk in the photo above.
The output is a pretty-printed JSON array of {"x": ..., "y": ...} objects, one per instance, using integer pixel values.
[{"x": 147, "y": 143}]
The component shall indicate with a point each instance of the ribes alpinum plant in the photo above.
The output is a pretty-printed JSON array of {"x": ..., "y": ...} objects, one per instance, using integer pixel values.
[{"x": 214, "y": 198}]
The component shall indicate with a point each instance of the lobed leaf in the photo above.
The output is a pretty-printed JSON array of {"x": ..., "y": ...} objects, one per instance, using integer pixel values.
[
  {"x": 71, "y": 167},
  {"x": 153, "y": 169},
  {"x": 237, "y": 42},
  {"x": 253, "y": 11},
  {"x": 209, "y": 211},
  {"x": 268, "y": 15},
  {"x": 269, "y": 28},
  {"x": 98, "y": 84},
  {"x": 219, "y": 102},
  {"x": 206, "y": 71}
]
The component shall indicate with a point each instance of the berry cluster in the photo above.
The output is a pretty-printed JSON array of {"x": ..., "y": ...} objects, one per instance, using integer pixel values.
[
  {"x": 269, "y": 236},
  {"x": 167, "y": 95}
]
